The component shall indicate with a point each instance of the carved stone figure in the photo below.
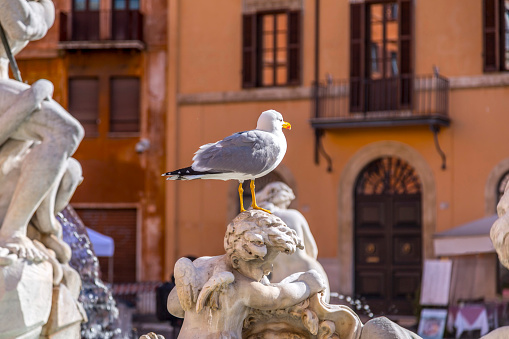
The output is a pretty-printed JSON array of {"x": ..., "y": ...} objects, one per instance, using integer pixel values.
[
  {"x": 500, "y": 229},
  {"x": 215, "y": 294},
  {"x": 37, "y": 179},
  {"x": 276, "y": 197},
  {"x": 229, "y": 296},
  {"x": 36, "y": 128}
]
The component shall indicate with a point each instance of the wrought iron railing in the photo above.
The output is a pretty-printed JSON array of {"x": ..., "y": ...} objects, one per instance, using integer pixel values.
[
  {"x": 394, "y": 98},
  {"x": 114, "y": 25}
]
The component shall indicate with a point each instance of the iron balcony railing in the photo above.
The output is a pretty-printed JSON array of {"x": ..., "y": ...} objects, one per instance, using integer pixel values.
[
  {"x": 113, "y": 25},
  {"x": 395, "y": 100}
]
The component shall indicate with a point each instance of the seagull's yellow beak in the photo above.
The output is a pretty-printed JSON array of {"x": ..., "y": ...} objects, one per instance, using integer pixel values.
[{"x": 287, "y": 125}]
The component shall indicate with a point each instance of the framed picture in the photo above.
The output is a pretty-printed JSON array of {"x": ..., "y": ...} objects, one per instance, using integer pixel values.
[{"x": 432, "y": 323}]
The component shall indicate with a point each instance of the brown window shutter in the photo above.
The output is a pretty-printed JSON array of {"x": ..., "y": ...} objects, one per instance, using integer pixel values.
[
  {"x": 120, "y": 224},
  {"x": 248, "y": 50},
  {"x": 357, "y": 57},
  {"x": 405, "y": 47},
  {"x": 84, "y": 102},
  {"x": 294, "y": 49},
  {"x": 125, "y": 104},
  {"x": 491, "y": 38}
]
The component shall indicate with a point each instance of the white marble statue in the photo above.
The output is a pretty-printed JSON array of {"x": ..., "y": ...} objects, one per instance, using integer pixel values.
[
  {"x": 230, "y": 297},
  {"x": 215, "y": 294},
  {"x": 276, "y": 197},
  {"x": 38, "y": 129},
  {"x": 500, "y": 230},
  {"x": 38, "y": 289}
]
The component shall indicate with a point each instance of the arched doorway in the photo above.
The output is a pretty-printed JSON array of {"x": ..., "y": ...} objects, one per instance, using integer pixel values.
[{"x": 388, "y": 235}]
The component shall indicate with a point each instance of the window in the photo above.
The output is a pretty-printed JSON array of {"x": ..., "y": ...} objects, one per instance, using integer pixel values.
[
  {"x": 120, "y": 224},
  {"x": 381, "y": 69},
  {"x": 496, "y": 35},
  {"x": 84, "y": 102},
  {"x": 85, "y": 20},
  {"x": 125, "y": 104},
  {"x": 271, "y": 49}
]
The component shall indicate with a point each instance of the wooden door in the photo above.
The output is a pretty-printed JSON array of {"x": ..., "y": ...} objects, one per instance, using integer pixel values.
[{"x": 387, "y": 237}]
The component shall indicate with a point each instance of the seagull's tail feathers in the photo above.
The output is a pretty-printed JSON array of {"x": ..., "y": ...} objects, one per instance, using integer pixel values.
[{"x": 187, "y": 173}]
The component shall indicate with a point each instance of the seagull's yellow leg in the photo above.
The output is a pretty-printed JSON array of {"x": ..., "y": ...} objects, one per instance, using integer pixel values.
[
  {"x": 253, "y": 197},
  {"x": 241, "y": 192}
]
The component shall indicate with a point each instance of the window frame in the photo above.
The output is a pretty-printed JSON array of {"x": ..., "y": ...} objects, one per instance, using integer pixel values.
[{"x": 252, "y": 51}]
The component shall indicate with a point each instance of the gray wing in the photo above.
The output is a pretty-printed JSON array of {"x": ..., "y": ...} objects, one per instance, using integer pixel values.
[{"x": 250, "y": 152}]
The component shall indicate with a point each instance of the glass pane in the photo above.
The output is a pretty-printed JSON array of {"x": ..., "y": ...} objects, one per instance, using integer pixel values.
[
  {"x": 268, "y": 76},
  {"x": 268, "y": 58},
  {"x": 268, "y": 41},
  {"x": 377, "y": 31},
  {"x": 392, "y": 30},
  {"x": 79, "y": 5},
  {"x": 281, "y": 76},
  {"x": 134, "y": 4},
  {"x": 392, "y": 67},
  {"x": 281, "y": 57},
  {"x": 119, "y": 4},
  {"x": 391, "y": 12},
  {"x": 281, "y": 22},
  {"x": 268, "y": 23},
  {"x": 93, "y": 5},
  {"x": 376, "y": 13},
  {"x": 281, "y": 40}
]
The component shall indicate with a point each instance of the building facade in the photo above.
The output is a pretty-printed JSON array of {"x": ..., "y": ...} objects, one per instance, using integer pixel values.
[
  {"x": 398, "y": 113},
  {"x": 107, "y": 60}
]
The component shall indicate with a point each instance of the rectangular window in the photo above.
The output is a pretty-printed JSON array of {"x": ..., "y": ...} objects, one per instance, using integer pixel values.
[
  {"x": 271, "y": 49},
  {"x": 495, "y": 35},
  {"x": 125, "y": 104},
  {"x": 120, "y": 224},
  {"x": 381, "y": 68},
  {"x": 84, "y": 102}
]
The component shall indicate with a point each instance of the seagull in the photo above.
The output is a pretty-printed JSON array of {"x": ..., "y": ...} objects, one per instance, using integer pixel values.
[{"x": 241, "y": 156}]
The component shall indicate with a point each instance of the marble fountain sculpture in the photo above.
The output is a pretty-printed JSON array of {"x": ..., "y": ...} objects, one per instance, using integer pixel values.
[
  {"x": 229, "y": 296},
  {"x": 38, "y": 289}
]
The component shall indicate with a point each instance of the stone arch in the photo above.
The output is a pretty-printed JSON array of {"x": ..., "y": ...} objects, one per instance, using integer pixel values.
[
  {"x": 345, "y": 201},
  {"x": 233, "y": 195},
  {"x": 490, "y": 203}
]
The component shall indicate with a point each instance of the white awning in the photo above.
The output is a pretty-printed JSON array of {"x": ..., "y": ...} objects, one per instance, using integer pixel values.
[
  {"x": 470, "y": 238},
  {"x": 104, "y": 246}
]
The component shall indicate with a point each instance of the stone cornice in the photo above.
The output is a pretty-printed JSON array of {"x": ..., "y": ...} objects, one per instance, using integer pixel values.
[{"x": 305, "y": 93}]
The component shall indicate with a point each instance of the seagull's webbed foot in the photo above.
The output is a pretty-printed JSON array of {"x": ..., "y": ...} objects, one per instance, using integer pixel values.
[{"x": 253, "y": 203}]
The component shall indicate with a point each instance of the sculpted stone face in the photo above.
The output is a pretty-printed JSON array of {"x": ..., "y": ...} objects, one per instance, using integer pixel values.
[{"x": 258, "y": 268}]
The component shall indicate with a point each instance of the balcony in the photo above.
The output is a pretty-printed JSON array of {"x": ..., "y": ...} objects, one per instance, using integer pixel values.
[
  {"x": 398, "y": 101},
  {"x": 101, "y": 29}
]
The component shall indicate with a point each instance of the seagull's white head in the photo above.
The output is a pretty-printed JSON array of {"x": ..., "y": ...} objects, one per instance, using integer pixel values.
[{"x": 271, "y": 121}]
